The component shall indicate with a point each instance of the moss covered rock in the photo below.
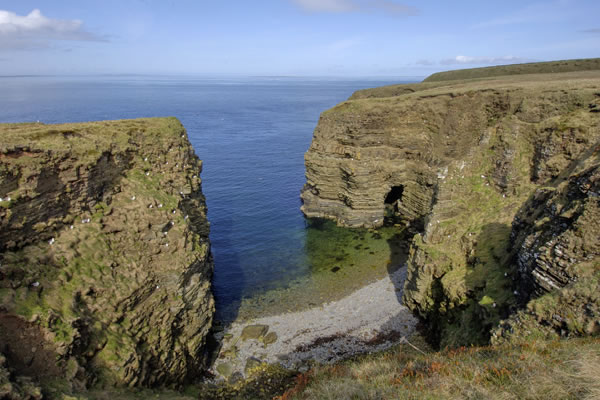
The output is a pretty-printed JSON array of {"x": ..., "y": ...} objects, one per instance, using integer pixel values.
[{"x": 105, "y": 265}]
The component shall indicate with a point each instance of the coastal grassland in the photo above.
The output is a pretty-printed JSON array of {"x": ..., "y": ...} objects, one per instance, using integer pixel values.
[
  {"x": 83, "y": 140},
  {"x": 566, "y": 369},
  {"x": 264, "y": 382},
  {"x": 434, "y": 88},
  {"x": 517, "y": 69}
]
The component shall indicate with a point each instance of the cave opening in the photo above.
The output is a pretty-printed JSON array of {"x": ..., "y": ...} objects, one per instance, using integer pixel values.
[
  {"x": 391, "y": 215},
  {"x": 394, "y": 195}
]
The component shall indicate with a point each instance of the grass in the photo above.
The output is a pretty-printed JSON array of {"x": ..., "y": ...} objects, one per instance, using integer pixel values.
[
  {"x": 567, "y": 369},
  {"x": 517, "y": 69}
]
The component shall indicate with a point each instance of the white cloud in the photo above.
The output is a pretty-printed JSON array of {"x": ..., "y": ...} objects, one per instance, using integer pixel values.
[
  {"x": 35, "y": 30},
  {"x": 485, "y": 60},
  {"x": 595, "y": 30},
  {"x": 346, "y": 6}
]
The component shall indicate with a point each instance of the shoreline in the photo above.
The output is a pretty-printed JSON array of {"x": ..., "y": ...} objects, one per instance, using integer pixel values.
[{"x": 369, "y": 319}]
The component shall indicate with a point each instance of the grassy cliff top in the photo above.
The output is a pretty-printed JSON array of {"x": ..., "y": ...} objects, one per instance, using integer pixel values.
[
  {"x": 541, "y": 81},
  {"x": 87, "y": 138},
  {"x": 517, "y": 69}
]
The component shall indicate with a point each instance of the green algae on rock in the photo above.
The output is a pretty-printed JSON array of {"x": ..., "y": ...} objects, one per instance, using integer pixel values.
[
  {"x": 456, "y": 160},
  {"x": 106, "y": 265}
]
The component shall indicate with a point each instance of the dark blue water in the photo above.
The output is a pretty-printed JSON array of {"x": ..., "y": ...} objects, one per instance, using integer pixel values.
[{"x": 251, "y": 133}]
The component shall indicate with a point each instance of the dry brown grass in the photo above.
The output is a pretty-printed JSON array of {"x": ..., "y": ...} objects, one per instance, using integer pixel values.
[{"x": 568, "y": 369}]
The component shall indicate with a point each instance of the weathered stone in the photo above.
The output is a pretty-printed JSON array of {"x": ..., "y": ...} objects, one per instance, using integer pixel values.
[
  {"x": 556, "y": 236},
  {"x": 225, "y": 369},
  {"x": 269, "y": 338},
  {"x": 251, "y": 363},
  {"x": 112, "y": 299},
  {"x": 254, "y": 332},
  {"x": 236, "y": 377}
]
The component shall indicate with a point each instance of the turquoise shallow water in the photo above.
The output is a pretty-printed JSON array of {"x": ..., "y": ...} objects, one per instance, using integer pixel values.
[{"x": 252, "y": 134}]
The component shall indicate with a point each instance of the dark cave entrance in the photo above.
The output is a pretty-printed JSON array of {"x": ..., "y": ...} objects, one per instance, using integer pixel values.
[
  {"x": 391, "y": 215},
  {"x": 394, "y": 195}
]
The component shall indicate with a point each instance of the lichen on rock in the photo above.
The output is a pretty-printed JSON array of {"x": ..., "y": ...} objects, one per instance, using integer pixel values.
[{"x": 105, "y": 265}]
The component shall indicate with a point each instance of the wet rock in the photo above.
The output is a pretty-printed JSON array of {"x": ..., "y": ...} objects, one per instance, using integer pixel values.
[
  {"x": 225, "y": 369},
  {"x": 236, "y": 377},
  {"x": 269, "y": 338},
  {"x": 251, "y": 363},
  {"x": 254, "y": 332}
]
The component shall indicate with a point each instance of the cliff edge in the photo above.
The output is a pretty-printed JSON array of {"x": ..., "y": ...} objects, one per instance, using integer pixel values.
[
  {"x": 105, "y": 259},
  {"x": 483, "y": 170}
]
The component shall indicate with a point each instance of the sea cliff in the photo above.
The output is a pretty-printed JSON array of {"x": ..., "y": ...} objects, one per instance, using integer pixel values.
[
  {"x": 105, "y": 257},
  {"x": 499, "y": 178}
]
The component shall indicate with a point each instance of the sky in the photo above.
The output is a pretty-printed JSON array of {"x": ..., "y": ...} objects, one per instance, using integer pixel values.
[{"x": 361, "y": 38}]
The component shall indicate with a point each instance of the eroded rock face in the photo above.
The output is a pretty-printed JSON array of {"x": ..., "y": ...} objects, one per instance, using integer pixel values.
[
  {"x": 467, "y": 156},
  {"x": 556, "y": 237},
  {"x": 106, "y": 265},
  {"x": 16, "y": 388},
  {"x": 557, "y": 230}
]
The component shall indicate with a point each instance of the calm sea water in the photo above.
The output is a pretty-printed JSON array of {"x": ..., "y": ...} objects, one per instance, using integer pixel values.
[{"x": 252, "y": 134}]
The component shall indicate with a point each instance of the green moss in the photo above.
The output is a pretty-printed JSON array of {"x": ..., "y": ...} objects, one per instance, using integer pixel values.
[{"x": 28, "y": 303}]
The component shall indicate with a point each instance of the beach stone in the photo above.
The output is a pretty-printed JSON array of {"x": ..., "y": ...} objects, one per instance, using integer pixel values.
[
  {"x": 231, "y": 352},
  {"x": 225, "y": 369},
  {"x": 254, "y": 331},
  {"x": 269, "y": 338},
  {"x": 235, "y": 378},
  {"x": 251, "y": 363}
]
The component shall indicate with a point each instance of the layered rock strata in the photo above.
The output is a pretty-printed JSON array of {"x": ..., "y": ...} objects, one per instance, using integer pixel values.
[
  {"x": 459, "y": 159},
  {"x": 105, "y": 265},
  {"x": 556, "y": 237}
]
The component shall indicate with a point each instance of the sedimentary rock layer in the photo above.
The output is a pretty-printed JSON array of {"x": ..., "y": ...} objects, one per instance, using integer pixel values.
[
  {"x": 105, "y": 265},
  {"x": 459, "y": 160}
]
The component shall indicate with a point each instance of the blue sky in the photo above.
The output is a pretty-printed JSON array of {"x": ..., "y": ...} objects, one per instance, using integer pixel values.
[{"x": 289, "y": 37}]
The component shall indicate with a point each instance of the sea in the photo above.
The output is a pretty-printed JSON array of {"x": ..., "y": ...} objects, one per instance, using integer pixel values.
[{"x": 251, "y": 133}]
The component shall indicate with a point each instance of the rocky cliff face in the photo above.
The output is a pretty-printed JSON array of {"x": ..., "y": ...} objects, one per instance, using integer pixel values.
[
  {"x": 556, "y": 237},
  {"x": 105, "y": 265},
  {"x": 459, "y": 160}
]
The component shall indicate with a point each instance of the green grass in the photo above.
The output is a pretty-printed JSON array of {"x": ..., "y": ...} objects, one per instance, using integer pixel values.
[
  {"x": 517, "y": 69},
  {"x": 566, "y": 369}
]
